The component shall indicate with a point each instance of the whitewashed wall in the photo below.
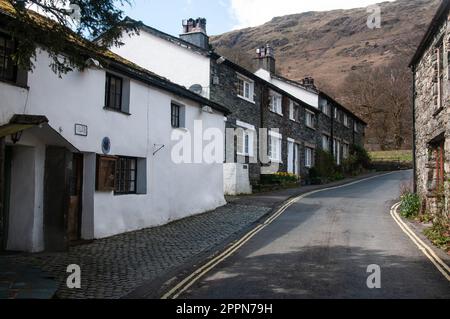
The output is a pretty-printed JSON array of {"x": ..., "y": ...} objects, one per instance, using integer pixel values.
[
  {"x": 180, "y": 65},
  {"x": 174, "y": 191}
]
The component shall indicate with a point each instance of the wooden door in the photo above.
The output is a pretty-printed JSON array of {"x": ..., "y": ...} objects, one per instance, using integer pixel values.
[{"x": 75, "y": 201}]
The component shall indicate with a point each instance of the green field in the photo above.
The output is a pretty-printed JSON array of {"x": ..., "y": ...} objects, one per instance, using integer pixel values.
[{"x": 403, "y": 156}]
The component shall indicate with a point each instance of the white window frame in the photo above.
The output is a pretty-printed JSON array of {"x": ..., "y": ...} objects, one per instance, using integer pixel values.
[
  {"x": 275, "y": 147},
  {"x": 292, "y": 106},
  {"x": 248, "y": 131},
  {"x": 309, "y": 157},
  {"x": 278, "y": 108},
  {"x": 346, "y": 120},
  {"x": 326, "y": 109},
  {"x": 337, "y": 151},
  {"x": 309, "y": 119},
  {"x": 326, "y": 142},
  {"x": 247, "y": 84},
  {"x": 336, "y": 114}
]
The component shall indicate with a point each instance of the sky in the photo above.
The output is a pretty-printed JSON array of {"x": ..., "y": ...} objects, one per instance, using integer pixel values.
[{"x": 227, "y": 15}]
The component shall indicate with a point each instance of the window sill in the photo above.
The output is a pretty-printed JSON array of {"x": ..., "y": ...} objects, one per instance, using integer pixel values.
[
  {"x": 12, "y": 83},
  {"x": 116, "y": 111},
  {"x": 244, "y": 155},
  {"x": 276, "y": 113},
  {"x": 247, "y": 100},
  {"x": 311, "y": 128},
  {"x": 295, "y": 121}
]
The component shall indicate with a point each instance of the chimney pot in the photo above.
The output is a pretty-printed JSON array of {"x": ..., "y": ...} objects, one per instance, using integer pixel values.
[
  {"x": 266, "y": 58},
  {"x": 194, "y": 32}
]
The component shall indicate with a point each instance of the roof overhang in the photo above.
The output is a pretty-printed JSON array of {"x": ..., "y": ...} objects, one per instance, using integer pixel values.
[{"x": 21, "y": 122}]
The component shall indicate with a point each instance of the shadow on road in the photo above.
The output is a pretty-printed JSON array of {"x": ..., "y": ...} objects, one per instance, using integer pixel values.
[{"x": 322, "y": 272}]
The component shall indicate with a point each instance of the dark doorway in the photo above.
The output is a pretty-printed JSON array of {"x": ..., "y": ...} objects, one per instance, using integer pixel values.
[
  {"x": 75, "y": 202},
  {"x": 58, "y": 170}
]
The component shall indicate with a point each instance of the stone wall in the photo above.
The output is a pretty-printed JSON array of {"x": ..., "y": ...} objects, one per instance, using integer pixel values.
[
  {"x": 432, "y": 120},
  {"x": 223, "y": 90}
]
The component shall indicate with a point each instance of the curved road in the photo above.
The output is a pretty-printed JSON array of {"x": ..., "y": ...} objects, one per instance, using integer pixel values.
[{"x": 321, "y": 248}]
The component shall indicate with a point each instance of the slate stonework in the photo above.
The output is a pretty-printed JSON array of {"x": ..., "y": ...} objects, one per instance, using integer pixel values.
[{"x": 432, "y": 122}]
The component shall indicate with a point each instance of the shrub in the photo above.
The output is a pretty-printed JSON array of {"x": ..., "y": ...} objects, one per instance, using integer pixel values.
[
  {"x": 324, "y": 167},
  {"x": 410, "y": 205},
  {"x": 279, "y": 178},
  {"x": 439, "y": 235},
  {"x": 360, "y": 156}
]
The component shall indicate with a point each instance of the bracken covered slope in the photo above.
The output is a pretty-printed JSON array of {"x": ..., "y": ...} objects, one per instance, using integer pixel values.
[{"x": 329, "y": 45}]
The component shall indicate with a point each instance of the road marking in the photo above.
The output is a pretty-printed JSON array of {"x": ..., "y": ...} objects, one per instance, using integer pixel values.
[
  {"x": 443, "y": 268},
  {"x": 185, "y": 284}
]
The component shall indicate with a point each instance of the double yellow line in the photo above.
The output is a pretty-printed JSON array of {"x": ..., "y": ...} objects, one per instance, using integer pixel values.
[
  {"x": 443, "y": 268},
  {"x": 185, "y": 284}
]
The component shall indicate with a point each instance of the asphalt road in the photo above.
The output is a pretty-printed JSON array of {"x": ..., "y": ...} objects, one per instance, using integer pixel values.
[{"x": 321, "y": 248}]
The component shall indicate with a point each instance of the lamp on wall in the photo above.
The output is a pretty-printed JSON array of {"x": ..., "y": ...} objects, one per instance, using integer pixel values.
[{"x": 16, "y": 137}]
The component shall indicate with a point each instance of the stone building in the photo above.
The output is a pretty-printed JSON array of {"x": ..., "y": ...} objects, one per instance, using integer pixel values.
[
  {"x": 288, "y": 111},
  {"x": 430, "y": 66}
]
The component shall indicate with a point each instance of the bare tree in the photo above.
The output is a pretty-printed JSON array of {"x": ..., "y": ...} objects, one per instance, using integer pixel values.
[{"x": 382, "y": 96}]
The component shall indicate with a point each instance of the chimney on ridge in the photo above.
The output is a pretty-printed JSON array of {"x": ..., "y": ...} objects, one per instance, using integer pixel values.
[
  {"x": 265, "y": 57},
  {"x": 194, "y": 32}
]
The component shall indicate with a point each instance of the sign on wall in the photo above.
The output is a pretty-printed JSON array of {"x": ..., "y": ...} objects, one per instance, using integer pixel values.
[{"x": 81, "y": 130}]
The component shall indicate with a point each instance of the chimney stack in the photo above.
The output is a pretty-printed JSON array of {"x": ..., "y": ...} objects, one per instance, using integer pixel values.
[
  {"x": 194, "y": 32},
  {"x": 265, "y": 57},
  {"x": 308, "y": 82}
]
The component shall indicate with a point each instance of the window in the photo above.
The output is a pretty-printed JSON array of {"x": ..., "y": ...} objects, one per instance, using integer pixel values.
[
  {"x": 126, "y": 175},
  {"x": 275, "y": 104},
  {"x": 309, "y": 157},
  {"x": 336, "y": 114},
  {"x": 113, "y": 96},
  {"x": 8, "y": 69},
  {"x": 355, "y": 127},
  {"x": 310, "y": 119},
  {"x": 326, "y": 109},
  {"x": 274, "y": 147},
  {"x": 245, "y": 88},
  {"x": 326, "y": 143},
  {"x": 175, "y": 118},
  {"x": 346, "y": 120},
  {"x": 440, "y": 73},
  {"x": 337, "y": 151},
  {"x": 245, "y": 142},
  {"x": 294, "y": 111}
]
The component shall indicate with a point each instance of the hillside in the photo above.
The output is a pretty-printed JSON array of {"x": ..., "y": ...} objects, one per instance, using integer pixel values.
[{"x": 329, "y": 45}]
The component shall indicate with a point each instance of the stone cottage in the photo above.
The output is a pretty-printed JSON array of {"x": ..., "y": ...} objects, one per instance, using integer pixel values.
[{"x": 430, "y": 66}]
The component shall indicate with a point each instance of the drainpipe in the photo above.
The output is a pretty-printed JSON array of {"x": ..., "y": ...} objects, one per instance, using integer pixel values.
[{"x": 414, "y": 128}]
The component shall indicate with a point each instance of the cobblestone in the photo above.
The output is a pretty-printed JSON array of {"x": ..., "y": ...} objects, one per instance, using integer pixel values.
[{"x": 113, "y": 267}]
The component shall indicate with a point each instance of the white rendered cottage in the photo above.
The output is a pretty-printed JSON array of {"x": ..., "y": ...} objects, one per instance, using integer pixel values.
[{"x": 88, "y": 155}]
